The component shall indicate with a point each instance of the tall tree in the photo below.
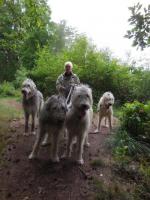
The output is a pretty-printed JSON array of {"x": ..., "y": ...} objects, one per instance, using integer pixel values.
[
  {"x": 25, "y": 26},
  {"x": 37, "y": 29},
  {"x": 64, "y": 36},
  {"x": 10, "y": 26},
  {"x": 140, "y": 26}
]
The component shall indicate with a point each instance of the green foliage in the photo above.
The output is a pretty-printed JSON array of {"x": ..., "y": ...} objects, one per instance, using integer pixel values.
[
  {"x": 93, "y": 67},
  {"x": 145, "y": 168},
  {"x": 136, "y": 120},
  {"x": 141, "y": 84},
  {"x": 140, "y": 22},
  {"x": 104, "y": 192},
  {"x": 28, "y": 24},
  {"x": 20, "y": 76},
  {"x": 49, "y": 66},
  {"x": 142, "y": 191},
  {"x": 124, "y": 145},
  {"x": 36, "y": 29},
  {"x": 63, "y": 36},
  {"x": 7, "y": 89},
  {"x": 40, "y": 47},
  {"x": 132, "y": 138},
  {"x": 10, "y": 38}
]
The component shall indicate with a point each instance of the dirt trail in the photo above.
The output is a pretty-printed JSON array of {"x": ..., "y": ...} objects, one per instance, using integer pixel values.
[{"x": 21, "y": 179}]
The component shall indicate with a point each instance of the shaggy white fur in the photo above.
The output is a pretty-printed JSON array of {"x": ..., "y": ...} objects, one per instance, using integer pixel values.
[
  {"x": 78, "y": 120},
  {"x": 105, "y": 109}
]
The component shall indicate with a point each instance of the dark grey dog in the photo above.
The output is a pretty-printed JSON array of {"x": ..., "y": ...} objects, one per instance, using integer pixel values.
[
  {"x": 32, "y": 103},
  {"x": 51, "y": 122}
]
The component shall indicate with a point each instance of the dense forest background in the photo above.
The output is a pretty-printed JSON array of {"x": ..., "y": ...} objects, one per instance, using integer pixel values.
[{"x": 32, "y": 45}]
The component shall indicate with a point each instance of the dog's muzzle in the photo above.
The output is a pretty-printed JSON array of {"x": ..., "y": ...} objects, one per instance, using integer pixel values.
[
  {"x": 82, "y": 110},
  {"x": 84, "y": 107},
  {"x": 108, "y": 105},
  {"x": 24, "y": 92}
]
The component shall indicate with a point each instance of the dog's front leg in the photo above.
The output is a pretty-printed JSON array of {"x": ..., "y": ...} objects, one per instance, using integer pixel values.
[
  {"x": 80, "y": 144},
  {"x": 69, "y": 145},
  {"x": 46, "y": 140},
  {"x": 33, "y": 124},
  {"x": 87, "y": 144},
  {"x": 54, "y": 148},
  {"x": 110, "y": 122},
  {"x": 36, "y": 146},
  {"x": 99, "y": 124},
  {"x": 26, "y": 123}
]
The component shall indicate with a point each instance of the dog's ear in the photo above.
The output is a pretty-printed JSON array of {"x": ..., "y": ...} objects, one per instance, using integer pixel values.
[{"x": 33, "y": 85}]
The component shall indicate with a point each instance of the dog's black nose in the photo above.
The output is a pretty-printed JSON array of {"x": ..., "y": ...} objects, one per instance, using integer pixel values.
[
  {"x": 84, "y": 107},
  {"x": 23, "y": 91}
]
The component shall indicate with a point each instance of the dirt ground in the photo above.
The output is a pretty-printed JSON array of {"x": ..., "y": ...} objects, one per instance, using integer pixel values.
[{"x": 21, "y": 179}]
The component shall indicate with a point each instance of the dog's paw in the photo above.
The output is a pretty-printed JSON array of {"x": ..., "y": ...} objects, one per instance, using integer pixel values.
[
  {"x": 97, "y": 131},
  {"x": 32, "y": 156},
  {"x": 80, "y": 162},
  {"x": 33, "y": 132},
  {"x": 106, "y": 125},
  {"x": 45, "y": 143},
  {"x": 64, "y": 156},
  {"x": 25, "y": 134},
  {"x": 55, "y": 159},
  {"x": 87, "y": 144}
]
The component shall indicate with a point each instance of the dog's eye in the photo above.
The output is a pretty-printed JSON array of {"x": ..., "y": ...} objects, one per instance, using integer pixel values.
[
  {"x": 87, "y": 96},
  {"x": 63, "y": 108}
]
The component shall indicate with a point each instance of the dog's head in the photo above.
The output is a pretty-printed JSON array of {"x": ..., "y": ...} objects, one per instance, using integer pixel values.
[
  {"x": 56, "y": 108},
  {"x": 108, "y": 99},
  {"x": 28, "y": 89},
  {"x": 82, "y": 99}
]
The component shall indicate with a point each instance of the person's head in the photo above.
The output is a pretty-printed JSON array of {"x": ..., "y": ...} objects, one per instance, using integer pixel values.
[{"x": 68, "y": 67}]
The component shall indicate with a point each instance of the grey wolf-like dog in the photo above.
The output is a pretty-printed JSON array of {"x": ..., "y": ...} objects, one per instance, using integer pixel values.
[
  {"x": 51, "y": 123},
  {"x": 32, "y": 103}
]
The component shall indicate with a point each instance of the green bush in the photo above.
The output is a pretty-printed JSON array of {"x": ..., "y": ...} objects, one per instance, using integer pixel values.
[
  {"x": 49, "y": 66},
  {"x": 133, "y": 136},
  {"x": 95, "y": 68},
  {"x": 125, "y": 145},
  {"x": 7, "y": 89},
  {"x": 20, "y": 76},
  {"x": 136, "y": 120}
]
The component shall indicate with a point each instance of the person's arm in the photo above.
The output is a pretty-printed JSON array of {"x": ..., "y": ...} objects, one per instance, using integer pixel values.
[
  {"x": 77, "y": 80},
  {"x": 59, "y": 86}
]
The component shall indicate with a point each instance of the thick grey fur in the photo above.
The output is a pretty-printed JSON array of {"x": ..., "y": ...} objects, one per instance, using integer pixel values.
[
  {"x": 32, "y": 103},
  {"x": 51, "y": 123}
]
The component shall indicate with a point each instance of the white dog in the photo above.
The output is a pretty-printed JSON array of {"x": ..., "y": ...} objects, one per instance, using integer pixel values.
[
  {"x": 78, "y": 120},
  {"x": 105, "y": 109},
  {"x": 32, "y": 102}
]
